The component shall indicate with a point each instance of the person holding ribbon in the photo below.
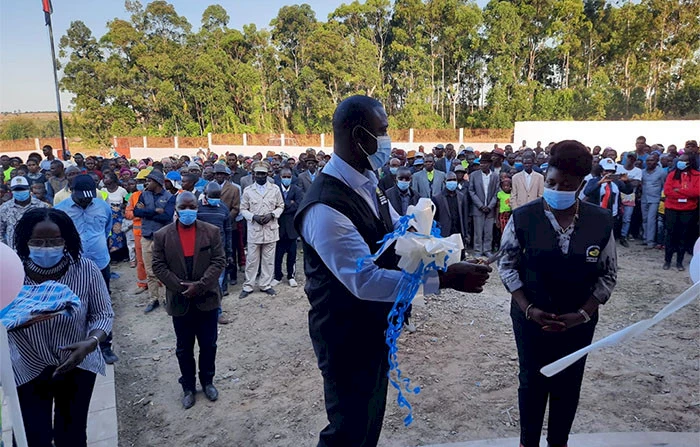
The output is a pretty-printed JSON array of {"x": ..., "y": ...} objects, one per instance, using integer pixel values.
[
  {"x": 340, "y": 220},
  {"x": 559, "y": 265}
]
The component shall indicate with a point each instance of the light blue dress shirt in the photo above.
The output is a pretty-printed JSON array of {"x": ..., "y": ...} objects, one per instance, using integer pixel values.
[
  {"x": 337, "y": 241},
  {"x": 94, "y": 225}
]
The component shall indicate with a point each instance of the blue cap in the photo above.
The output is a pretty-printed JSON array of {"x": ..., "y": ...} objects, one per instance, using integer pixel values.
[
  {"x": 174, "y": 176},
  {"x": 418, "y": 161}
]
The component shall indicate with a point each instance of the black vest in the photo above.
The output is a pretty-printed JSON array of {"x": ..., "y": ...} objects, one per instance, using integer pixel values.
[
  {"x": 335, "y": 312},
  {"x": 556, "y": 282}
]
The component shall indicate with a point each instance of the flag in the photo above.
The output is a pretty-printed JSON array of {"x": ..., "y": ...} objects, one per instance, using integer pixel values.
[{"x": 48, "y": 10}]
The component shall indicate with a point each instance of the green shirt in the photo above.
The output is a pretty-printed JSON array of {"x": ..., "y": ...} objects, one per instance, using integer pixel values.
[
  {"x": 431, "y": 175},
  {"x": 503, "y": 202}
]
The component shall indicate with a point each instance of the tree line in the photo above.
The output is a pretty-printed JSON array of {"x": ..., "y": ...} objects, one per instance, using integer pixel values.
[{"x": 433, "y": 63}]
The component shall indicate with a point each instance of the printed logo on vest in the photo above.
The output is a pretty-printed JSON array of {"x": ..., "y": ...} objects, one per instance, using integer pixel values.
[{"x": 592, "y": 253}]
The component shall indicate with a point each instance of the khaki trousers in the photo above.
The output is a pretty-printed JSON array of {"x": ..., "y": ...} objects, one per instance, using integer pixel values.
[
  {"x": 259, "y": 256},
  {"x": 155, "y": 288}
]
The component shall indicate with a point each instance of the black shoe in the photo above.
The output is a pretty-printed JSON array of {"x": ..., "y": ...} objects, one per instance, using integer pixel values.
[
  {"x": 153, "y": 305},
  {"x": 270, "y": 291},
  {"x": 109, "y": 356},
  {"x": 624, "y": 242},
  {"x": 667, "y": 265},
  {"x": 680, "y": 267},
  {"x": 188, "y": 400},
  {"x": 244, "y": 294},
  {"x": 211, "y": 392},
  {"x": 225, "y": 293},
  {"x": 233, "y": 282}
]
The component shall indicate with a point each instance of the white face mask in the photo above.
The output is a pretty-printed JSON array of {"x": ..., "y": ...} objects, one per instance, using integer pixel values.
[{"x": 383, "y": 154}]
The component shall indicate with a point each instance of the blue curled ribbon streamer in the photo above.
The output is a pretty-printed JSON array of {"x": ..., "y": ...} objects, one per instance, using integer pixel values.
[{"x": 408, "y": 288}]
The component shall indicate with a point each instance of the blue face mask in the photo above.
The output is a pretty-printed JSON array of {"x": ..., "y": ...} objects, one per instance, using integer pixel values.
[
  {"x": 383, "y": 154},
  {"x": 403, "y": 185},
  {"x": 451, "y": 185},
  {"x": 559, "y": 200},
  {"x": 214, "y": 202},
  {"x": 140, "y": 186},
  {"x": 393, "y": 170},
  {"x": 518, "y": 166},
  {"x": 46, "y": 257},
  {"x": 23, "y": 195},
  {"x": 286, "y": 181},
  {"x": 187, "y": 217},
  {"x": 682, "y": 165}
]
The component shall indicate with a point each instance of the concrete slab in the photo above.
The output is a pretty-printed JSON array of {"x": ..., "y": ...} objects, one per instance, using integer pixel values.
[
  {"x": 638, "y": 439},
  {"x": 102, "y": 430}
]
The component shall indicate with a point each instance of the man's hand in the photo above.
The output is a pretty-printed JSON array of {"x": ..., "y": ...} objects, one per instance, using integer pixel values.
[
  {"x": 140, "y": 205},
  {"x": 485, "y": 209},
  {"x": 549, "y": 322},
  {"x": 160, "y": 210},
  {"x": 190, "y": 289},
  {"x": 624, "y": 177},
  {"x": 571, "y": 319},
  {"x": 229, "y": 260},
  {"x": 607, "y": 178},
  {"x": 79, "y": 351},
  {"x": 465, "y": 277},
  {"x": 258, "y": 219}
]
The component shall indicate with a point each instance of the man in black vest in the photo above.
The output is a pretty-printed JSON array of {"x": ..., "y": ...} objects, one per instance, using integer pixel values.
[{"x": 340, "y": 220}]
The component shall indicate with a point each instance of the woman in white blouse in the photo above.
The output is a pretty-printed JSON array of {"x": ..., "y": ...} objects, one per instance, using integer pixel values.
[{"x": 55, "y": 361}]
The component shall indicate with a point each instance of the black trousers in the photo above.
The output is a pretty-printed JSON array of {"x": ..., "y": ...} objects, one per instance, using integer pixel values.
[
  {"x": 200, "y": 325},
  {"x": 354, "y": 385},
  {"x": 68, "y": 397},
  {"x": 286, "y": 247},
  {"x": 678, "y": 226},
  {"x": 537, "y": 348},
  {"x": 106, "y": 274}
]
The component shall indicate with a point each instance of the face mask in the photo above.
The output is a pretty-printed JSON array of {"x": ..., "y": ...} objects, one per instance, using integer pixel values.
[
  {"x": 214, "y": 202},
  {"x": 187, "y": 217},
  {"x": 682, "y": 165},
  {"x": 393, "y": 170},
  {"x": 46, "y": 256},
  {"x": 23, "y": 196},
  {"x": 140, "y": 187},
  {"x": 518, "y": 166},
  {"x": 451, "y": 185},
  {"x": 260, "y": 180},
  {"x": 84, "y": 202},
  {"x": 559, "y": 200},
  {"x": 286, "y": 181},
  {"x": 403, "y": 185},
  {"x": 383, "y": 154}
]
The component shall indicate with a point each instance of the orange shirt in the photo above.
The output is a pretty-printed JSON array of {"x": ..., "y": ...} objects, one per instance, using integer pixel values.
[{"x": 129, "y": 212}]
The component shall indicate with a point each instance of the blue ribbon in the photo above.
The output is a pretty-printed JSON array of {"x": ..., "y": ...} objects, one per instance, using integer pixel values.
[{"x": 408, "y": 288}]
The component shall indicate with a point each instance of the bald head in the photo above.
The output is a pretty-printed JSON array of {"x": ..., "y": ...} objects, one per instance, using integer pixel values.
[
  {"x": 212, "y": 190},
  {"x": 186, "y": 200},
  {"x": 357, "y": 122}
]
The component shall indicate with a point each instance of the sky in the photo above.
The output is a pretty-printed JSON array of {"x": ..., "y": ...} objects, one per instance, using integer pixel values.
[{"x": 26, "y": 75}]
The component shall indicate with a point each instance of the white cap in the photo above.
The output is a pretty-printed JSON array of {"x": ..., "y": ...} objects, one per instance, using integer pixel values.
[
  {"x": 19, "y": 182},
  {"x": 608, "y": 164}
]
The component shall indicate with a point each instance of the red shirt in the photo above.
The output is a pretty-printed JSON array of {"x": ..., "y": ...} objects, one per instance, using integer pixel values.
[
  {"x": 686, "y": 198},
  {"x": 187, "y": 237}
]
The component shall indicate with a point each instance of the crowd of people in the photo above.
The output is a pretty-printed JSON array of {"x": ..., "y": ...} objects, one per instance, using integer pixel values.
[{"x": 190, "y": 225}]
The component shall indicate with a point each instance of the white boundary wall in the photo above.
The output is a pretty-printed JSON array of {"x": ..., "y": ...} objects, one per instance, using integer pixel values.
[
  {"x": 158, "y": 153},
  {"x": 620, "y": 135}
]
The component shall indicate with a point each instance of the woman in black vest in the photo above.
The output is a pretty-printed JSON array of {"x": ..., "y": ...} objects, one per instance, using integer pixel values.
[{"x": 559, "y": 266}]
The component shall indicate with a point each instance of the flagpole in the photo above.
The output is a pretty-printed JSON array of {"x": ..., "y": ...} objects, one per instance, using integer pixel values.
[{"x": 58, "y": 94}]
